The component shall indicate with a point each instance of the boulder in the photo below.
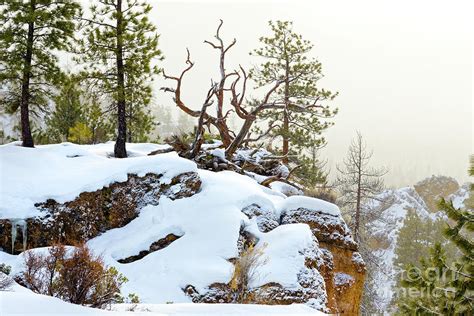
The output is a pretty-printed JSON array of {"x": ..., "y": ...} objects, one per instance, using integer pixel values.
[{"x": 266, "y": 219}]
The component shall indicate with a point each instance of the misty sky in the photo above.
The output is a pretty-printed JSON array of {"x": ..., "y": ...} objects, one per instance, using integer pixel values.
[{"x": 402, "y": 68}]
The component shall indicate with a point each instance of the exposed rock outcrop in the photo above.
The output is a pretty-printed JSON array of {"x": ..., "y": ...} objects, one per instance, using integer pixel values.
[
  {"x": 157, "y": 245},
  {"x": 340, "y": 258},
  {"x": 92, "y": 213},
  {"x": 328, "y": 273},
  {"x": 311, "y": 289},
  {"x": 432, "y": 189},
  {"x": 266, "y": 219},
  {"x": 333, "y": 276}
]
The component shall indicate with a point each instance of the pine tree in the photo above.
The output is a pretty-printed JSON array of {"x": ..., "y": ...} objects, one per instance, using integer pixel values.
[
  {"x": 299, "y": 122},
  {"x": 68, "y": 109},
  {"x": 30, "y": 31},
  {"x": 118, "y": 49},
  {"x": 98, "y": 122},
  {"x": 444, "y": 287}
]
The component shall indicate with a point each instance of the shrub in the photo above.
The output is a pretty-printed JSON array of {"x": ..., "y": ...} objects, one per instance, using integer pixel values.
[
  {"x": 80, "y": 133},
  {"x": 246, "y": 272},
  {"x": 5, "y": 280},
  {"x": 77, "y": 277}
]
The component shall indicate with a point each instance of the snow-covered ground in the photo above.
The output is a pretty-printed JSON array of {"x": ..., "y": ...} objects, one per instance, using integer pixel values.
[
  {"x": 20, "y": 301},
  {"x": 208, "y": 222}
]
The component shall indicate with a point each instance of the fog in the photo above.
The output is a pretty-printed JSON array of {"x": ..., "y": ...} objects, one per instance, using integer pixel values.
[{"x": 403, "y": 70}]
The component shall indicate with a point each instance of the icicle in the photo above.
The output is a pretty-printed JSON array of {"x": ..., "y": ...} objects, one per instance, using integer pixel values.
[
  {"x": 13, "y": 222},
  {"x": 24, "y": 231},
  {"x": 16, "y": 223}
]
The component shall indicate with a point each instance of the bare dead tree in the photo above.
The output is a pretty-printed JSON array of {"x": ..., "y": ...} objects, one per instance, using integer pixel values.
[
  {"x": 357, "y": 182},
  {"x": 218, "y": 89},
  {"x": 237, "y": 90},
  {"x": 199, "y": 137}
]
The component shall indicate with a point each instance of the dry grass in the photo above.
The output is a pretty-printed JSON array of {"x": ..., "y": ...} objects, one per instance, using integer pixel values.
[{"x": 246, "y": 272}]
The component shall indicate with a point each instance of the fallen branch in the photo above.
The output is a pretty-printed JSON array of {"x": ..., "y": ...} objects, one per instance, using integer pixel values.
[
  {"x": 270, "y": 180},
  {"x": 161, "y": 151}
]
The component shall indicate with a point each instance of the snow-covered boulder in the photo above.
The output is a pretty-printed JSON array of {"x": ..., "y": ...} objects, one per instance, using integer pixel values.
[{"x": 339, "y": 250}]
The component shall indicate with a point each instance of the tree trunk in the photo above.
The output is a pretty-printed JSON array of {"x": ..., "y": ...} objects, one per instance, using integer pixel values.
[
  {"x": 359, "y": 194},
  {"x": 239, "y": 138},
  {"x": 221, "y": 124},
  {"x": 120, "y": 150},
  {"x": 286, "y": 122},
  {"x": 25, "y": 85},
  {"x": 130, "y": 120}
]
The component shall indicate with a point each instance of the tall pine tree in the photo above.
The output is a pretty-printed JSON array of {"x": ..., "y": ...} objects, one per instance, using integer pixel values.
[
  {"x": 30, "y": 31},
  {"x": 118, "y": 49},
  {"x": 299, "y": 123}
]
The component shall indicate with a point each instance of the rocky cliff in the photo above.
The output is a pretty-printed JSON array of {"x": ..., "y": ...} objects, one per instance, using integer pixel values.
[{"x": 176, "y": 235}]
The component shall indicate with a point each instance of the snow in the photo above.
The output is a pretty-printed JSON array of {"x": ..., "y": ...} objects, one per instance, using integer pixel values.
[
  {"x": 25, "y": 303},
  {"x": 208, "y": 222},
  {"x": 62, "y": 171},
  {"x": 342, "y": 279},
  {"x": 295, "y": 202},
  {"x": 218, "y": 153},
  {"x": 284, "y": 246},
  {"x": 285, "y": 188},
  {"x": 21, "y": 301}
]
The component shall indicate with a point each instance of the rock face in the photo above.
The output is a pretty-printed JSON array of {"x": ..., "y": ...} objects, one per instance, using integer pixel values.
[
  {"x": 432, "y": 189},
  {"x": 266, "y": 220},
  {"x": 157, "y": 245},
  {"x": 343, "y": 268},
  {"x": 92, "y": 213}
]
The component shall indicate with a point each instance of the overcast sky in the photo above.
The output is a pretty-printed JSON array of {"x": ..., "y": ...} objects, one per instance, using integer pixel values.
[{"x": 403, "y": 70}]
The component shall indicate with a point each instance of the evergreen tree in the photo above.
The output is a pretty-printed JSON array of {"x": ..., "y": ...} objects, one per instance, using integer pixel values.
[
  {"x": 68, "y": 110},
  {"x": 166, "y": 124},
  {"x": 30, "y": 31},
  {"x": 96, "y": 121},
  {"x": 440, "y": 287},
  {"x": 299, "y": 121},
  {"x": 312, "y": 170},
  {"x": 417, "y": 236},
  {"x": 118, "y": 48}
]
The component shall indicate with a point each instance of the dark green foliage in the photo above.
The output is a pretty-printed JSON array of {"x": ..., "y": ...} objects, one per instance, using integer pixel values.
[
  {"x": 300, "y": 121},
  {"x": 68, "y": 110},
  {"x": 118, "y": 48},
  {"x": 95, "y": 125},
  {"x": 30, "y": 32},
  {"x": 417, "y": 236},
  {"x": 442, "y": 285}
]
